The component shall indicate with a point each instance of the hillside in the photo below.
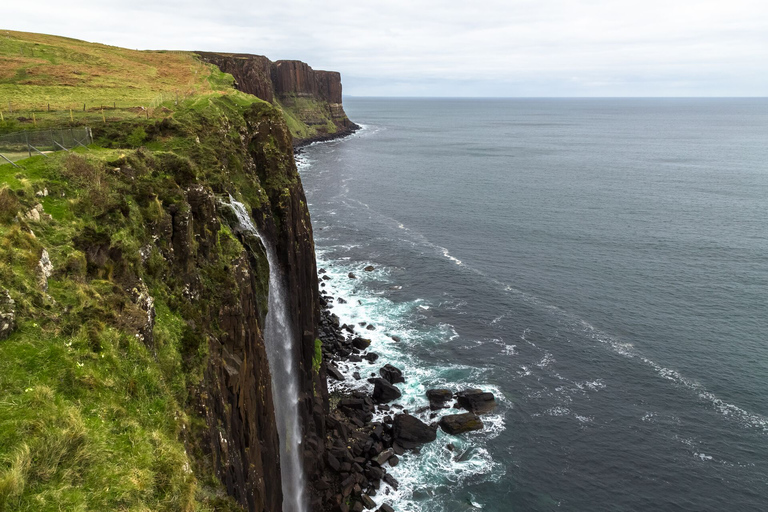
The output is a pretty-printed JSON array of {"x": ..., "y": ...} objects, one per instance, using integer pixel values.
[{"x": 133, "y": 372}]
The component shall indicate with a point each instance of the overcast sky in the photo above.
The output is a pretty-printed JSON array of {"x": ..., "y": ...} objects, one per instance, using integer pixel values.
[{"x": 452, "y": 48}]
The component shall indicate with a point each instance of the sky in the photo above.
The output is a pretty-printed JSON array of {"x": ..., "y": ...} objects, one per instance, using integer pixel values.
[{"x": 493, "y": 48}]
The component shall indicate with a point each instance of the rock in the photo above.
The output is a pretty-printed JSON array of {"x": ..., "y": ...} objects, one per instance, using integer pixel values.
[
  {"x": 391, "y": 374},
  {"x": 42, "y": 193},
  {"x": 333, "y": 462},
  {"x": 367, "y": 501},
  {"x": 334, "y": 372},
  {"x": 342, "y": 301},
  {"x": 371, "y": 357},
  {"x": 361, "y": 343},
  {"x": 146, "y": 304},
  {"x": 438, "y": 398},
  {"x": 357, "y": 507},
  {"x": 385, "y": 508},
  {"x": 410, "y": 432},
  {"x": 44, "y": 271},
  {"x": 326, "y": 278},
  {"x": 384, "y": 456},
  {"x": 371, "y": 327},
  {"x": 321, "y": 271},
  {"x": 356, "y": 375},
  {"x": 450, "y": 447},
  {"x": 395, "y": 338},
  {"x": 384, "y": 392},
  {"x": 391, "y": 481},
  {"x": 7, "y": 314},
  {"x": 351, "y": 276},
  {"x": 369, "y": 268},
  {"x": 476, "y": 401},
  {"x": 394, "y": 460},
  {"x": 460, "y": 423}
]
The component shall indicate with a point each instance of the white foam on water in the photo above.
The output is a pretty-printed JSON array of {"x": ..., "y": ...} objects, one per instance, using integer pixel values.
[{"x": 435, "y": 465}]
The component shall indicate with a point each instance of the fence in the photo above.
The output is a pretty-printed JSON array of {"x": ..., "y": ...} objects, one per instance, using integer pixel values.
[{"x": 18, "y": 145}]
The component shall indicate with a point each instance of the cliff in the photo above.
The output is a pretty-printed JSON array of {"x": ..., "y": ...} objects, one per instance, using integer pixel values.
[
  {"x": 133, "y": 369},
  {"x": 311, "y": 100}
]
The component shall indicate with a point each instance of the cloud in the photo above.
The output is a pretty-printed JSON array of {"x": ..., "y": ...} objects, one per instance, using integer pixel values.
[{"x": 439, "y": 48}]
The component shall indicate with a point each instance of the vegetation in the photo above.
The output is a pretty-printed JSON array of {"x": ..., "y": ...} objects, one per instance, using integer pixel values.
[{"x": 93, "y": 416}]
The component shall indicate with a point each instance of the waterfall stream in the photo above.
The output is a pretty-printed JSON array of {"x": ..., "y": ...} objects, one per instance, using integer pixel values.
[{"x": 279, "y": 339}]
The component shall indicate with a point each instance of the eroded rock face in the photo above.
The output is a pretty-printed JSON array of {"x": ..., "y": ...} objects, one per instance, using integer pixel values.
[
  {"x": 44, "y": 271},
  {"x": 286, "y": 80},
  {"x": 7, "y": 314}
]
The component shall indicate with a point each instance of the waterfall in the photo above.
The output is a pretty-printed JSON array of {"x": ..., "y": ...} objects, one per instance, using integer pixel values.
[{"x": 279, "y": 339}]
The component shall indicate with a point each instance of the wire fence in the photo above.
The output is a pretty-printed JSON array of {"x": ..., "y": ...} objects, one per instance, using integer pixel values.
[
  {"x": 87, "y": 111},
  {"x": 20, "y": 145}
]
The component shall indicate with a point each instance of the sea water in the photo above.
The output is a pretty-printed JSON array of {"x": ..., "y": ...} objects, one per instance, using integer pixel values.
[{"x": 600, "y": 265}]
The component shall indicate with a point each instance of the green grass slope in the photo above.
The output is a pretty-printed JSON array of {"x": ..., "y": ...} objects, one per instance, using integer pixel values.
[{"x": 91, "y": 417}]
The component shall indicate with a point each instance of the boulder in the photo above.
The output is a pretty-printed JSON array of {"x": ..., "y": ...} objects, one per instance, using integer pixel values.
[
  {"x": 391, "y": 374},
  {"x": 369, "y": 268},
  {"x": 410, "y": 432},
  {"x": 361, "y": 343},
  {"x": 351, "y": 276},
  {"x": 438, "y": 398},
  {"x": 334, "y": 372},
  {"x": 367, "y": 502},
  {"x": 384, "y": 392},
  {"x": 385, "y": 508},
  {"x": 460, "y": 423},
  {"x": 476, "y": 401}
]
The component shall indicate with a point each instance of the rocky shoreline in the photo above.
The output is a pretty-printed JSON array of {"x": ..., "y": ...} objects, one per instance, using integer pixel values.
[{"x": 368, "y": 431}]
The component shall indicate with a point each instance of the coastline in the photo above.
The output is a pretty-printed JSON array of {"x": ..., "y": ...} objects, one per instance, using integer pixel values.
[
  {"x": 365, "y": 459},
  {"x": 299, "y": 144}
]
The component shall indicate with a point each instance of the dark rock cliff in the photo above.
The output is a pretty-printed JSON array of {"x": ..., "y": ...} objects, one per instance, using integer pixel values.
[{"x": 313, "y": 99}]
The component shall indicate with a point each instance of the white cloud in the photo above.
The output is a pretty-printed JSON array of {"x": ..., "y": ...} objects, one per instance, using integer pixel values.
[{"x": 426, "y": 47}]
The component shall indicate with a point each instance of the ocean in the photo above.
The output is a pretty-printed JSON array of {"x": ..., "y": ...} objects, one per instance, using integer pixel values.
[{"x": 600, "y": 265}]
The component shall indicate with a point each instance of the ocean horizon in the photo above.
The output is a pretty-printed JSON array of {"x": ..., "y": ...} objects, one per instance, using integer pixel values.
[{"x": 597, "y": 263}]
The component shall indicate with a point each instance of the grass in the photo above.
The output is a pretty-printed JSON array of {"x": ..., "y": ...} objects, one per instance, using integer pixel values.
[
  {"x": 66, "y": 81},
  {"x": 91, "y": 418}
]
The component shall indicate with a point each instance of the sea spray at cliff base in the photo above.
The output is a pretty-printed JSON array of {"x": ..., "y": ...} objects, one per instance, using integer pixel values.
[
  {"x": 279, "y": 340},
  {"x": 597, "y": 264}
]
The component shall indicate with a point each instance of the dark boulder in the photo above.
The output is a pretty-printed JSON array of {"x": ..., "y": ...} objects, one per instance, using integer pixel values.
[
  {"x": 361, "y": 343},
  {"x": 351, "y": 276},
  {"x": 391, "y": 374},
  {"x": 385, "y": 508},
  {"x": 371, "y": 357},
  {"x": 369, "y": 268},
  {"x": 438, "y": 398},
  {"x": 384, "y": 392},
  {"x": 367, "y": 502},
  {"x": 334, "y": 372},
  {"x": 460, "y": 423},
  {"x": 410, "y": 432},
  {"x": 476, "y": 401}
]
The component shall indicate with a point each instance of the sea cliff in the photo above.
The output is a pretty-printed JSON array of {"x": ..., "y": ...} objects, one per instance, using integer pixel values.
[
  {"x": 133, "y": 359},
  {"x": 311, "y": 100}
]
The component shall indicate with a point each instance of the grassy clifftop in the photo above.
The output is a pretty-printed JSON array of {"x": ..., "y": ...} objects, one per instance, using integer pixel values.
[
  {"x": 120, "y": 277},
  {"x": 37, "y": 70}
]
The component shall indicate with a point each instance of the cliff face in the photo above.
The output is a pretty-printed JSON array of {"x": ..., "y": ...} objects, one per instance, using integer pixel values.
[
  {"x": 155, "y": 315},
  {"x": 311, "y": 100}
]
